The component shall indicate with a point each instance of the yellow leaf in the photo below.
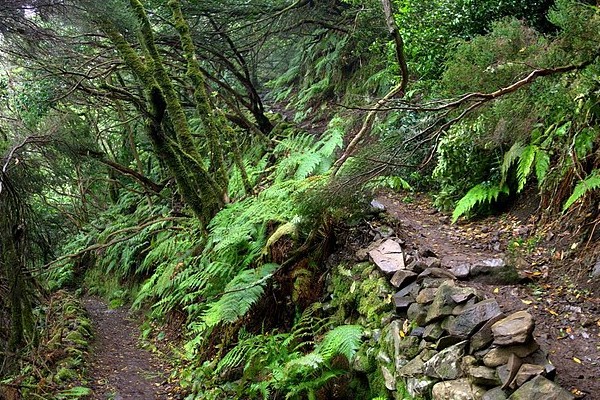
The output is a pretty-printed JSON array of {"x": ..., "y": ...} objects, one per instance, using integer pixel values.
[
  {"x": 496, "y": 291},
  {"x": 528, "y": 302},
  {"x": 577, "y": 360}
]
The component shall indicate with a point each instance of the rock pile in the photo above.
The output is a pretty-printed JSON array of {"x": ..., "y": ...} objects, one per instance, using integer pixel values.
[{"x": 448, "y": 340}]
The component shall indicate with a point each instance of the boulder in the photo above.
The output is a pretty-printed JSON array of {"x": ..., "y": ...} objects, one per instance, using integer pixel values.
[
  {"x": 514, "y": 329},
  {"x": 442, "y": 304},
  {"x": 474, "y": 317},
  {"x": 488, "y": 266},
  {"x": 459, "y": 389},
  {"x": 388, "y": 256},
  {"x": 446, "y": 364},
  {"x": 540, "y": 388}
]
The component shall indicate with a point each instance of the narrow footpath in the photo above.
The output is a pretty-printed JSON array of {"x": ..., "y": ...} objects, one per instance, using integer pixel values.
[{"x": 118, "y": 368}]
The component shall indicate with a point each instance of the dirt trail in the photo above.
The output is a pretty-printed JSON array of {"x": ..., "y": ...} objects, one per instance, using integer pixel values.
[
  {"x": 118, "y": 368},
  {"x": 567, "y": 314}
]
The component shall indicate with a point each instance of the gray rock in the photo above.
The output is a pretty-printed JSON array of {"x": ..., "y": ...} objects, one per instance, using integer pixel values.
[
  {"x": 459, "y": 389},
  {"x": 494, "y": 394},
  {"x": 417, "y": 331},
  {"x": 402, "y": 303},
  {"x": 442, "y": 304},
  {"x": 500, "y": 355},
  {"x": 483, "y": 337},
  {"x": 415, "y": 366},
  {"x": 459, "y": 309},
  {"x": 377, "y": 206},
  {"x": 402, "y": 278},
  {"x": 464, "y": 295},
  {"x": 527, "y": 372},
  {"x": 474, "y": 317},
  {"x": 488, "y": 266},
  {"x": 426, "y": 296},
  {"x": 514, "y": 329},
  {"x": 388, "y": 257},
  {"x": 484, "y": 376},
  {"x": 460, "y": 269},
  {"x": 410, "y": 290},
  {"x": 417, "y": 313},
  {"x": 432, "y": 262},
  {"x": 433, "y": 282},
  {"x": 433, "y": 332},
  {"x": 540, "y": 388},
  {"x": 446, "y": 364},
  {"x": 419, "y": 386}
]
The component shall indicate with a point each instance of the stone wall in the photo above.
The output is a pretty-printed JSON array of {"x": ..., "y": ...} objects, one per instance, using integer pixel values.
[{"x": 440, "y": 338}]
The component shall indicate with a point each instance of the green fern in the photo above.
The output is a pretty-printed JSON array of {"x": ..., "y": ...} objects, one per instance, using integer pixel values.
[
  {"x": 344, "y": 340},
  {"x": 483, "y": 193},
  {"x": 590, "y": 183}
]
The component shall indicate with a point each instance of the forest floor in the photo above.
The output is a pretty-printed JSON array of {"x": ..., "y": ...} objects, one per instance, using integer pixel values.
[
  {"x": 119, "y": 369},
  {"x": 554, "y": 286}
]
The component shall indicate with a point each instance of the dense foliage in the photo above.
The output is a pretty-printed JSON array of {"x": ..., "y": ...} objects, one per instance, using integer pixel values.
[{"x": 181, "y": 157}]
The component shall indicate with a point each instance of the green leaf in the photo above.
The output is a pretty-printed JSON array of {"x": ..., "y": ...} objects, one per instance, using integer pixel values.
[
  {"x": 592, "y": 182},
  {"x": 525, "y": 165}
]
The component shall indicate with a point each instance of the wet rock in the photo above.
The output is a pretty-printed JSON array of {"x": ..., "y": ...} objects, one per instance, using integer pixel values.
[
  {"x": 402, "y": 278},
  {"x": 417, "y": 313},
  {"x": 419, "y": 386},
  {"x": 540, "y": 388},
  {"x": 488, "y": 266},
  {"x": 426, "y": 296},
  {"x": 527, "y": 372},
  {"x": 494, "y": 394},
  {"x": 514, "y": 329},
  {"x": 484, "y": 376},
  {"x": 459, "y": 389},
  {"x": 499, "y": 355},
  {"x": 388, "y": 256},
  {"x": 446, "y": 363},
  {"x": 474, "y": 317},
  {"x": 483, "y": 337}
]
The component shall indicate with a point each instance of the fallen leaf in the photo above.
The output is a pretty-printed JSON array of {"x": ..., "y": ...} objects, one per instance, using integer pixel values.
[
  {"x": 528, "y": 302},
  {"x": 497, "y": 290},
  {"x": 577, "y": 360}
]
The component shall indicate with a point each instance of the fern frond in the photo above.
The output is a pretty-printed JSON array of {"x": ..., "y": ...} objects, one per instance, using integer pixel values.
[
  {"x": 525, "y": 165},
  {"x": 483, "y": 193},
  {"x": 344, "y": 340},
  {"x": 591, "y": 182},
  {"x": 542, "y": 165},
  {"x": 510, "y": 157}
]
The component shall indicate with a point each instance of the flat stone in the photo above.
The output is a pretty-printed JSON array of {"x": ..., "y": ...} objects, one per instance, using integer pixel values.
[
  {"x": 417, "y": 313},
  {"x": 494, "y": 394},
  {"x": 483, "y": 337},
  {"x": 514, "y": 329},
  {"x": 426, "y": 296},
  {"x": 459, "y": 389},
  {"x": 484, "y": 376},
  {"x": 472, "y": 318},
  {"x": 432, "y": 262},
  {"x": 500, "y": 355},
  {"x": 388, "y": 257},
  {"x": 527, "y": 372},
  {"x": 540, "y": 388},
  {"x": 464, "y": 295},
  {"x": 512, "y": 367},
  {"x": 402, "y": 278},
  {"x": 402, "y": 303},
  {"x": 434, "y": 272},
  {"x": 488, "y": 266},
  {"x": 446, "y": 364},
  {"x": 363, "y": 254}
]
